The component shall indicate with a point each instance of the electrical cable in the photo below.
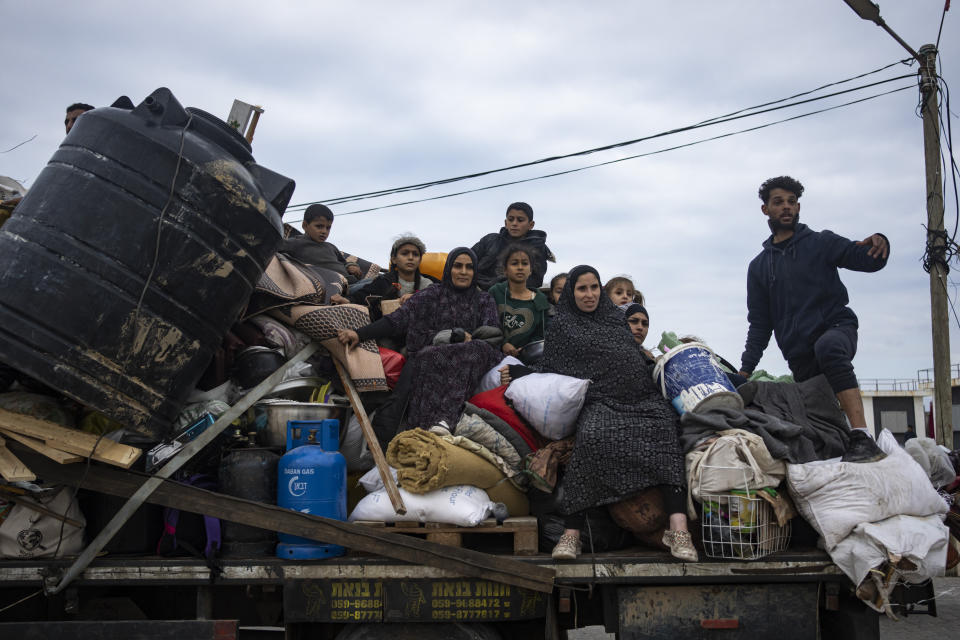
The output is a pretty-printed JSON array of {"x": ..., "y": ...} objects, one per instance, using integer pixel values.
[
  {"x": 163, "y": 211},
  {"x": 950, "y": 302},
  {"x": 719, "y": 120},
  {"x": 946, "y": 7},
  {"x": 632, "y": 157},
  {"x": 20, "y": 145},
  {"x": 948, "y": 162}
]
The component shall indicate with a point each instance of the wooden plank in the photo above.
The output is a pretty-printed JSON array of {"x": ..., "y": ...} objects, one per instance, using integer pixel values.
[
  {"x": 526, "y": 541},
  {"x": 70, "y": 440},
  {"x": 37, "y": 445},
  {"x": 379, "y": 541},
  {"x": 449, "y": 539},
  {"x": 372, "y": 443},
  {"x": 11, "y": 468}
]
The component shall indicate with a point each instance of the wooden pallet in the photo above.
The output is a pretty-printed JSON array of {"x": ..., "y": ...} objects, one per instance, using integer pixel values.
[{"x": 523, "y": 529}]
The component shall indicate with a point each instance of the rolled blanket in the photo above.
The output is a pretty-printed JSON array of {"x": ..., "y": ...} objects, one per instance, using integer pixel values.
[{"x": 425, "y": 462}]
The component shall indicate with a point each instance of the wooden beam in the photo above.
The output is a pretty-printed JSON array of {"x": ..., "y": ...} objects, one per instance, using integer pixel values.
[
  {"x": 11, "y": 468},
  {"x": 464, "y": 562},
  {"x": 70, "y": 440},
  {"x": 37, "y": 445},
  {"x": 372, "y": 443}
]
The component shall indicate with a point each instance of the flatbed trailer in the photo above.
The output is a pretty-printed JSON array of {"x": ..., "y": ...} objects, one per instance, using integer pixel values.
[{"x": 634, "y": 593}]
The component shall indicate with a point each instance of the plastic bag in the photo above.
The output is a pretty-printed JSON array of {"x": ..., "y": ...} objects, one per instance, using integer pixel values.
[
  {"x": 736, "y": 460},
  {"x": 550, "y": 402}
]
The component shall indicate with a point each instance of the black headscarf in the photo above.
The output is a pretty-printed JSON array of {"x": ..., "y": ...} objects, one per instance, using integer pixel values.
[
  {"x": 448, "y": 267},
  {"x": 444, "y": 306},
  {"x": 595, "y": 345},
  {"x": 636, "y": 307}
]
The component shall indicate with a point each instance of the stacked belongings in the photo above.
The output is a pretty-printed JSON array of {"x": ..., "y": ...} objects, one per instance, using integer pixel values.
[
  {"x": 430, "y": 465},
  {"x": 880, "y": 520}
]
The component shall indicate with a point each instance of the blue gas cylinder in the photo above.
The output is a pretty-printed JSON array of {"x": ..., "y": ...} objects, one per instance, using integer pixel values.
[{"x": 312, "y": 478}]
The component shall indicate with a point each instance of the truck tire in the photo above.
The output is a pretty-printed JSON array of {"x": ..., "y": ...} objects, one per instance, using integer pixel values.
[{"x": 420, "y": 631}]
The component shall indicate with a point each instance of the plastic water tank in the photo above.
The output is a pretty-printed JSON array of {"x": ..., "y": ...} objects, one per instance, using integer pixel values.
[
  {"x": 312, "y": 478},
  {"x": 135, "y": 250}
]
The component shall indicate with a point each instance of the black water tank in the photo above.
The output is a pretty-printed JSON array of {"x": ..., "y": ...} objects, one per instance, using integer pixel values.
[{"x": 135, "y": 250}]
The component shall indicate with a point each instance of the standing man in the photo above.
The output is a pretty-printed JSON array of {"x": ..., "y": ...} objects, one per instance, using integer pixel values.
[
  {"x": 795, "y": 292},
  {"x": 74, "y": 111}
]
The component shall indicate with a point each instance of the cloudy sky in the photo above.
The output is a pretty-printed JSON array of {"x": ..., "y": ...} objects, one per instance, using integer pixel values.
[{"x": 365, "y": 96}]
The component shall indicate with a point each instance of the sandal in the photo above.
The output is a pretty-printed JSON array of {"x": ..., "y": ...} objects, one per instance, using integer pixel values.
[
  {"x": 568, "y": 547},
  {"x": 681, "y": 545}
]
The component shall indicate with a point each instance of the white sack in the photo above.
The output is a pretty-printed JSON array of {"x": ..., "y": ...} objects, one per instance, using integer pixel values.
[
  {"x": 371, "y": 480},
  {"x": 461, "y": 505},
  {"x": 491, "y": 379},
  {"x": 923, "y": 541},
  {"x": 550, "y": 402},
  {"x": 353, "y": 445},
  {"x": 933, "y": 459},
  {"x": 835, "y": 497},
  {"x": 29, "y": 534}
]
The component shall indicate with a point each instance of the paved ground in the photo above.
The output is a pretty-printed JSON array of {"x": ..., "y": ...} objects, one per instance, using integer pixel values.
[{"x": 945, "y": 626}]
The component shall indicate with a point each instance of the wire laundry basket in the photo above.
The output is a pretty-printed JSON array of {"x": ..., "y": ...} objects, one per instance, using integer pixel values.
[{"x": 740, "y": 524}]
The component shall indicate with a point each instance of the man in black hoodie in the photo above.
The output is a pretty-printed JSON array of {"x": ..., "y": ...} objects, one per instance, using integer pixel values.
[
  {"x": 517, "y": 227},
  {"x": 795, "y": 292}
]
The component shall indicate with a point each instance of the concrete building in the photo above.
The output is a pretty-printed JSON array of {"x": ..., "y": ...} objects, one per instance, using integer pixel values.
[{"x": 898, "y": 405}]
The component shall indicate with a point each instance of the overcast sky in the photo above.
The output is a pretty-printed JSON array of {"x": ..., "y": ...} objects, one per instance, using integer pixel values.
[{"x": 365, "y": 96}]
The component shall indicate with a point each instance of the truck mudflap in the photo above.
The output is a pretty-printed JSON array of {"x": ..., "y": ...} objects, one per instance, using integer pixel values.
[
  {"x": 457, "y": 600},
  {"x": 774, "y": 610}
]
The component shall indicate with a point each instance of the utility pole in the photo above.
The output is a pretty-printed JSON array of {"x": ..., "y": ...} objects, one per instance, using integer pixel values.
[
  {"x": 936, "y": 248},
  {"x": 936, "y": 253}
]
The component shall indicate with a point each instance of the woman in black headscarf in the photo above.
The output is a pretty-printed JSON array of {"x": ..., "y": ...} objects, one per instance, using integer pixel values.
[
  {"x": 627, "y": 433},
  {"x": 452, "y": 337}
]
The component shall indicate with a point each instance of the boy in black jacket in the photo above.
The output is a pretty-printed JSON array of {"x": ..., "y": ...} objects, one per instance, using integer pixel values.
[
  {"x": 518, "y": 227},
  {"x": 794, "y": 291}
]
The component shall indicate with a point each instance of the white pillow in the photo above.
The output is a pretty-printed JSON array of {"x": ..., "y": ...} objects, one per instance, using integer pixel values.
[{"x": 550, "y": 402}]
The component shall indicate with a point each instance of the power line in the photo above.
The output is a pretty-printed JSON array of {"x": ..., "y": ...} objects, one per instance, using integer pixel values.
[
  {"x": 19, "y": 145},
  {"x": 639, "y": 155},
  {"x": 736, "y": 115}
]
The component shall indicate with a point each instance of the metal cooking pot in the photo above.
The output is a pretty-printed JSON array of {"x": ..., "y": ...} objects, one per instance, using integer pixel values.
[
  {"x": 254, "y": 364},
  {"x": 532, "y": 352},
  {"x": 297, "y": 389},
  {"x": 278, "y": 412}
]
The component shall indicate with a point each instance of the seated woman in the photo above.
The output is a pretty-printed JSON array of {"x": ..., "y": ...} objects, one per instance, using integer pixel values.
[
  {"x": 522, "y": 311},
  {"x": 627, "y": 433},
  {"x": 452, "y": 341},
  {"x": 403, "y": 279}
]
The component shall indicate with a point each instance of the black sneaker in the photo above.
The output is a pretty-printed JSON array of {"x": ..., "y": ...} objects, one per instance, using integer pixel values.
[{"x": 862, "y": 448}]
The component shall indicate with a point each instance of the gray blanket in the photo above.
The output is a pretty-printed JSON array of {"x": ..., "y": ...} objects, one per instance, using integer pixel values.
[{"x": 798, "y": 422}]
